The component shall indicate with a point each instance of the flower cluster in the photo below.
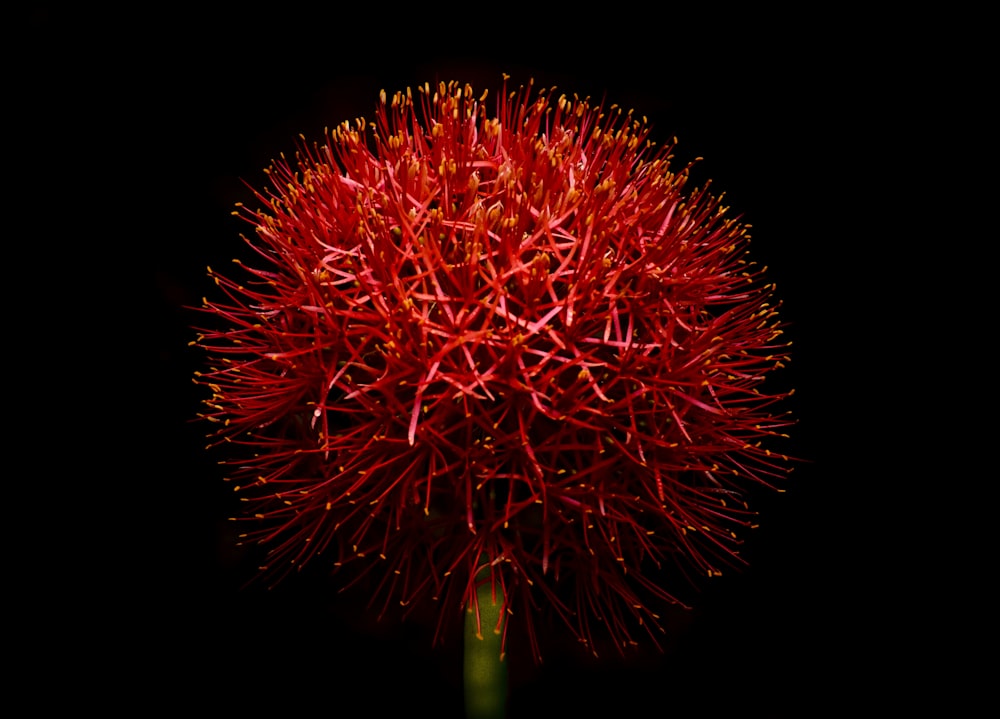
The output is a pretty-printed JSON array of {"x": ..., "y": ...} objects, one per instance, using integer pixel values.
[{"x": 514, "y": 342}]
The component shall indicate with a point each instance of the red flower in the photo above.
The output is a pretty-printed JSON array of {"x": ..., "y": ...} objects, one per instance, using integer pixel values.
[{"x": 512, "y": 340}]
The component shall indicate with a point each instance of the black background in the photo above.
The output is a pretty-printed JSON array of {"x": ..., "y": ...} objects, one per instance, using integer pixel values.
[{"x": 142, "y": 129}]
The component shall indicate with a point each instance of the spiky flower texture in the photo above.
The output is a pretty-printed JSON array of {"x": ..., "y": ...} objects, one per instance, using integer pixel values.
[{"x": 510, "y": 341}]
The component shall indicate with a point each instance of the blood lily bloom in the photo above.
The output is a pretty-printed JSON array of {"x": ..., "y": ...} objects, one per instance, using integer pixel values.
[{"x": 509, "y": 348}]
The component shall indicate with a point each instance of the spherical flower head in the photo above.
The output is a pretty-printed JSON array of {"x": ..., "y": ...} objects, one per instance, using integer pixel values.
[{"x": 509, "y": 348}]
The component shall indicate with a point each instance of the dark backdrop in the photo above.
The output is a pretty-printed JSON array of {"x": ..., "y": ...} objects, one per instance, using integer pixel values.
[{"x": 155, "y": 120}]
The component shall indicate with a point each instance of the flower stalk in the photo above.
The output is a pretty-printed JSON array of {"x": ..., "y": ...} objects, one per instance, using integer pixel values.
[{"x": 485, "y": 668}]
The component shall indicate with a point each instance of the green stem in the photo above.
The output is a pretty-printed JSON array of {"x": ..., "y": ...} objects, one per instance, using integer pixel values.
[{"x": 485, "y": 669}]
